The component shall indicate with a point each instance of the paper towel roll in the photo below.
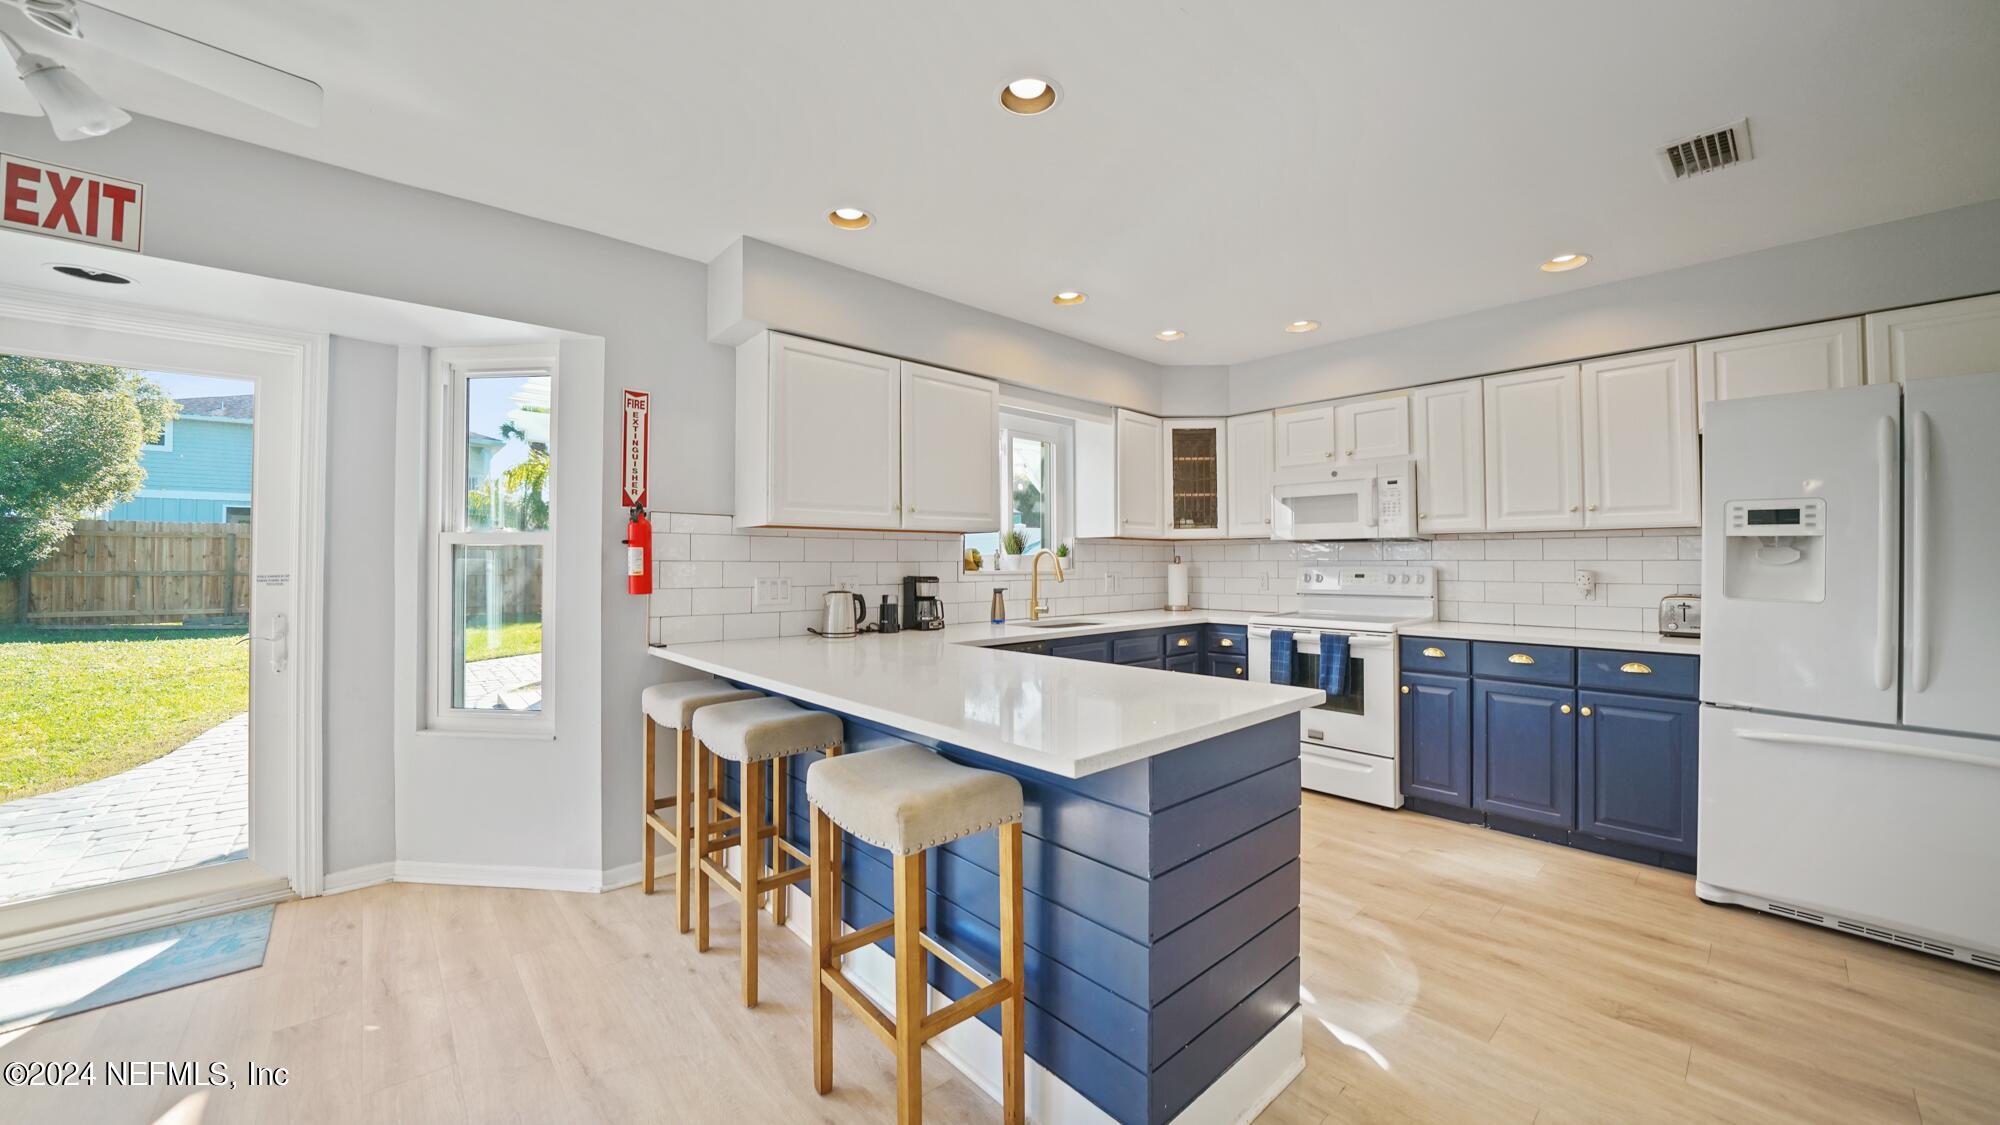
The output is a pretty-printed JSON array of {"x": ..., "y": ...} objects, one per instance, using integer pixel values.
[{"x": 1177, "y": 584}]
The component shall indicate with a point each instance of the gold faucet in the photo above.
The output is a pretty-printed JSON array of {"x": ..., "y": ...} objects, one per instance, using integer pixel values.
[{"x": 1035, "y": 604}]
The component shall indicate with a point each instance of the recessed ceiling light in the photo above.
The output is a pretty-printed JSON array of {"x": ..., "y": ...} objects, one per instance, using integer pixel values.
[
  {"x": 85, "y": 273},
  {"x": 1170, "y": 334},
  {"x": 1303, "y": 326},
  {"x": 1028, "y": 96},
  {"x": 850, "y": 218},
  {"x": 1563, "y": 262},
  {"x": 1070, "y": 297}
]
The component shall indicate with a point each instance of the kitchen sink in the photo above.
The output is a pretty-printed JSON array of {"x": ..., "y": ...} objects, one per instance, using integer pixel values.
[{"x": 1066, "y": 623}]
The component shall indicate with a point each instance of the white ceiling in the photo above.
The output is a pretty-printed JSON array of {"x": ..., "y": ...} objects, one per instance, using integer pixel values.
[{"x": 1216, "y": 167}]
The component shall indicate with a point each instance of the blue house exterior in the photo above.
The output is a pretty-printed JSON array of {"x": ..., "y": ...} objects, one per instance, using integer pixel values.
[{"x": 200, "y": 470}]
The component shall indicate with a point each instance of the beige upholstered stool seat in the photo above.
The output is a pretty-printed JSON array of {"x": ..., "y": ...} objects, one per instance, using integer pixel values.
[
  {"x": 758, "y": 730},
  {"x": 906, "y": 798},
  {"x": 673, "y": 705}
]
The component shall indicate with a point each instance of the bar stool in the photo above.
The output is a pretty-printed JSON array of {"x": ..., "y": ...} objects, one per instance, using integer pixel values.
[
  {"x": 751, "y": 733},
  {"x": 906, "y": 800},
  {"x": 673, "y": 705}
]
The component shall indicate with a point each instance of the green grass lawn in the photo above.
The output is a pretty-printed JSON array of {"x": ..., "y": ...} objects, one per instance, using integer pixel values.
[
  {"x": 77, "y": 705},
  {"x": 516, "y": 638}
]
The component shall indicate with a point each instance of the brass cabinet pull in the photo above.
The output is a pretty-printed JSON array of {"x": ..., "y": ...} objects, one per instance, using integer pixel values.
[
  {"x": 1520, "y": 658},
  {"x": 1406, "y": 689},
  {"x": 1183, "y": 642},
  {"x": 1565, "y": 708},
  {"x": 1434, "y": 651},
  {"x": 1227, "y": 642},
  {"x": 1239, "y": 669},
  {"x": 1636, "y": 668},
  {"x": 1586, "y": 712}
]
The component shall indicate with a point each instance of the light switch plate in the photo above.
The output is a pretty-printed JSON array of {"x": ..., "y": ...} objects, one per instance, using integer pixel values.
[{"x": 771, "y": 592}]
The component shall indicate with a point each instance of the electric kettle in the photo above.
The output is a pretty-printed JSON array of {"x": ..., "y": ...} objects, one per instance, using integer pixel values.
[{"x": 843, "y": 616}]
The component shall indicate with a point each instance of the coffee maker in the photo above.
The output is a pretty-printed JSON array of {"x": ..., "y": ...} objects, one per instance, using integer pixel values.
[{"x": 921, "y": 607}]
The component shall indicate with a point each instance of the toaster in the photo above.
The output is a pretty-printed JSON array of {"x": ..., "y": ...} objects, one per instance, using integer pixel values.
[{"x": 1680, "y": 615}]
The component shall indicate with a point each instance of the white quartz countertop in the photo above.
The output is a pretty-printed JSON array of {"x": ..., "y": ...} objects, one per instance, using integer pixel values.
[
  {"x": 1628, "y": 640},
  {"x": 1070, "y": 718}
]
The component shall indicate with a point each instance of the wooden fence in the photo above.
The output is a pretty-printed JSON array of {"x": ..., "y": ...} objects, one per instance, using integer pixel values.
[{"x": 134, "y": 573}]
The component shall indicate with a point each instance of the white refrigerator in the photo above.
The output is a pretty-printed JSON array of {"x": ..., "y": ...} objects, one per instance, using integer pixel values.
[{"x": 1850, "y": 680}]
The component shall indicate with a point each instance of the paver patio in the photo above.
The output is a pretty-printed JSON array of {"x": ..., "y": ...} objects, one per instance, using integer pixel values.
[
  {"x": 506, "y": 683},
  {"x": 186, "y": 808}
]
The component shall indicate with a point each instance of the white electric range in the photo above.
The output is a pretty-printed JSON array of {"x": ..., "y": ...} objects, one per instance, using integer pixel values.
[{"x": 1348, "y": 745}]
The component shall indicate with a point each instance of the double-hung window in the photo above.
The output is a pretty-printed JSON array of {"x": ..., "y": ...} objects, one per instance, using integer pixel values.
[
  {"x": 495, "y": 535},
  {"x": 1034, "y": 484}
]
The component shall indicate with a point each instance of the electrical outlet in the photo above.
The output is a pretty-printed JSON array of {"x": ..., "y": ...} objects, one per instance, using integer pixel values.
[
  {"x": 1586, "y": 585},
  {"x": 771, "y": 592}
]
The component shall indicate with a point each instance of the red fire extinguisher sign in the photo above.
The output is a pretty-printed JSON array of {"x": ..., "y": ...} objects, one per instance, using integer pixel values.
[{"x": 638, "y": 529}]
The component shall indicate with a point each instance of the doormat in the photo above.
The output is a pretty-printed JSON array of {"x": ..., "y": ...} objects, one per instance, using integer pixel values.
[{"x": 47, "y": 986}]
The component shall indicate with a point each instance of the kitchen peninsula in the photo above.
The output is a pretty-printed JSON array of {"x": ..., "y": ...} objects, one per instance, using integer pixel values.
[{"x": 1162, "y": 851}]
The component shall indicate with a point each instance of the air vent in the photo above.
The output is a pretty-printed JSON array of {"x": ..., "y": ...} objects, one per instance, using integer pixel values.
[{"x": 1708, "y": 152}]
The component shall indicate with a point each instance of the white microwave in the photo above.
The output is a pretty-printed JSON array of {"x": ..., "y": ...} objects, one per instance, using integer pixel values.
[{"x": 1370, "y": 500}]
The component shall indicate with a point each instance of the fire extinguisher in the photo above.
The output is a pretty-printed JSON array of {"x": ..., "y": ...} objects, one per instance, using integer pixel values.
[{"x": 639, "y": 552}]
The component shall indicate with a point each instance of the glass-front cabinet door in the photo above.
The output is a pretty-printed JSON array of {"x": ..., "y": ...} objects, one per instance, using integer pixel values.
[{"x": 1195, "y": 485}]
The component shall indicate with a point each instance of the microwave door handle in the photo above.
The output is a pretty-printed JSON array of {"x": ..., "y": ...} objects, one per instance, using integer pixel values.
[
  {"x": 1920, "y": 531},
  {"x": 1885, "y": 551}
]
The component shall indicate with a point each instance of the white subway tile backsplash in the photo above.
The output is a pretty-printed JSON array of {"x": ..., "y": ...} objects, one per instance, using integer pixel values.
[
  {"x": 669, "y": 603},
  {"x": 826, "y": 550},
  {"x": 706, "y": 525},
  {"x": 1514, "y": 549},
  {"x": 777, "y": 549},
  {"x": 670, "y": 546},
  {"x": 740, "y": 627},
  {"x": 874, "y": 550},
  {"x": 726, "y": 599},
  {"x": 1481, "y": 571},
  {"x": 1551, "y": 616},
  {"x": 1676, "y": 572},
  {"x": 1582, "y": 547},
  {"x": 745, "y": 573},
  {"x": 688, "y": 630},
  {"x": 1643, "y": 547},
  {"x": 722, "y": 548},
  {"x": 1609, "y": 617},
  {"x": 686, "y": 575}
]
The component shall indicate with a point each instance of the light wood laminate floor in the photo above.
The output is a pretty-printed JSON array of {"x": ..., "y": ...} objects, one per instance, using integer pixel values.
[{"x": 1451, "y": 974}]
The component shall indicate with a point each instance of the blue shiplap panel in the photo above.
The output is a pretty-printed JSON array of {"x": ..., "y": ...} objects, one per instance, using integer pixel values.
[
  {"x": 1215, "y": 1050},
  {"x": 1127, "y": 786},
  {"x": 1115, "y": 899},
  {"x": 1191, "y": 950},
  {"x": 1190, "y": 890},
  {"x": 1181, "y": 775},
  {"x": 1178, "y": 1019},
  {"x": 1193, "y": 828}
]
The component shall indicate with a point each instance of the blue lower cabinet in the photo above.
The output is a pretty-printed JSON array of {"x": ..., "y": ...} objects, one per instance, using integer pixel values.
[
  {"x": 1082, "y": 648},
  {"x": 1524, "y": 752},
  {"x": 1635, "y": 775},
  {"x": 1184, "y": 662},
  {"x": 1437, "y": 738},
  {"x": 1228, "y": 667}
]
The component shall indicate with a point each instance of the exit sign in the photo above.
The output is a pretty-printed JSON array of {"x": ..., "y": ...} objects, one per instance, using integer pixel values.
[{"x": 67, "y": 203}]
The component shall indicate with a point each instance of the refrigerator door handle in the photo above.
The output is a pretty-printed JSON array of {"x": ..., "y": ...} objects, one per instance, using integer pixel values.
[
  {"x": 1906, "y": 749},
  {"x": 1920, "y": 530},
  {"x": 1885, "y": 562}
]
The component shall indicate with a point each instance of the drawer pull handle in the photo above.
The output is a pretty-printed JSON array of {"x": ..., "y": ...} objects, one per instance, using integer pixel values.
[
  {"x": 1586, "y": 712},
  {"x": 1228, "y": 642},
  {"x": 1183, "y": 642},
  {"x": 1636, "y": 668},
  {"x": 1565, "y": 708},
  {"x": 1434, "y": 651},
  {"x": 1406, "y": 689},
  {"x": 1239, "y": 670},
  {"x": 1520, "y": 658}
]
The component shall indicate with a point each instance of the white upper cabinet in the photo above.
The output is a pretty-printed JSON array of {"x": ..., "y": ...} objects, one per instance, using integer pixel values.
[
  {"x": 1534, "y": 444},
  {"x": 1305, "y": 436},
  {"x": 1249, "y": 441},
  {"x": 951, "y": 441},
  {"x": 1451, "y": 459},
  {"x": 1811, "y": 357},
  {"x": 1196, "y": 464},
  {"x": 1373, "y": 428},
  {"x": 1641, "y": 460},
  {"x": 818, "y": 435},
  {"x": 1142, "y": 507},
  {"x": 1951, "y": 338}
]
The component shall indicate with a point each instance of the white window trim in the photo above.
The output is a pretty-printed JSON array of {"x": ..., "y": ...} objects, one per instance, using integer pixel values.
[
  {"x": 166, "y": 442},
  {"x": 1060, "y": 495},
  {"x": 450, "y": 368}
]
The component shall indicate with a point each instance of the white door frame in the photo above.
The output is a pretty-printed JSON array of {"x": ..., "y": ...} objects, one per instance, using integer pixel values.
[{"x": 305, "y": 353}]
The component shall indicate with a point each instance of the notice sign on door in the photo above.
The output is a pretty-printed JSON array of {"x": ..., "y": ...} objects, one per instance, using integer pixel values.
[
  {"x": 637, "y": 403},
  {"x": 66, "y": 203}
]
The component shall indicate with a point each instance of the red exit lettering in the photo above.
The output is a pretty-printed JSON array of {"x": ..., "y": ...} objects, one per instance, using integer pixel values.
[{"x": 67, "y": 203}]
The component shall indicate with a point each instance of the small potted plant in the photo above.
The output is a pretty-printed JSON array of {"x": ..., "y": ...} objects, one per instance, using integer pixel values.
[
  {"x": 1012, "y": 545},
  {"x": 1062, "y": 550}
]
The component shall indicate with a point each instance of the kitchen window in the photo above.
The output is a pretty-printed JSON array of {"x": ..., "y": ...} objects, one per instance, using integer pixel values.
[
  {"x": 1035, "y": 460},
  {"x": 495, "y": 539}
]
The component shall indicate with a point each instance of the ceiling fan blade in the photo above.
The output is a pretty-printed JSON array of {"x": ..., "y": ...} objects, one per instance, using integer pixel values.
[{"x": 246, "y": 80}]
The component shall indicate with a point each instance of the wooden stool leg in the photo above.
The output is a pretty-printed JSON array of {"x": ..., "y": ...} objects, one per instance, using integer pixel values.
[
  {"x": 1013, "y": 1010},
  {"x": 779, "y": 814},
  {"x": 703, "y": 817},
  {"x": 646, "y": 812},
  {"x": 825, "y": 889},
  {"x": 684, "y": 812},
  {"x": 751, "y": 788},
  {"x": 911, "y": 998}
]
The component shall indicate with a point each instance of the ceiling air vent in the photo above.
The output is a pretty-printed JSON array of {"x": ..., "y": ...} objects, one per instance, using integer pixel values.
[{"x": 1690, "y": 157}]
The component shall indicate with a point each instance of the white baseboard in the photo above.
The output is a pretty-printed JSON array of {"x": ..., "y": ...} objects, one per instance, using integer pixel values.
[
  {"x": 580, "y": 879},
  {"x": 355, "y": 878}
]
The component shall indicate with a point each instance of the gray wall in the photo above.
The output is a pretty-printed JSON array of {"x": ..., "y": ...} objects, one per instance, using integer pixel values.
[
  {"x": 1933, "y": 257},
  {"x": 359, "y": 796}
]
